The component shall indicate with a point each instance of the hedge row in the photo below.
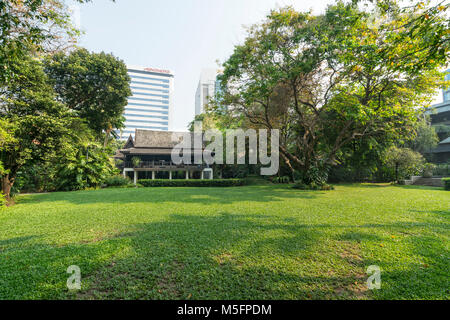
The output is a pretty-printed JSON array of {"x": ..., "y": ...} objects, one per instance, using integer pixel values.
[
  {"x": 192, "y": 183},
  {"x": 312, "y": 186},
  {"x": 446, "y": 183}
]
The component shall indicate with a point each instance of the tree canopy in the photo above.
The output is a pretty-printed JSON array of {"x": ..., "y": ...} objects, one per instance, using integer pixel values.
[
  {"x": 42, "y": 124},
  {"x": 95, "y": 85},
  {"x": 327, "y": 80},
  {"x": 33, "y": 118}
]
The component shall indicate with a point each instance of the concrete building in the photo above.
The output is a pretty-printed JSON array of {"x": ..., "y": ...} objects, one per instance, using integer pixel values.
[
  {"x": 151, "y": 103},
  {"x": 440, "y": 120},
  {"x": 208, "y": 86}
]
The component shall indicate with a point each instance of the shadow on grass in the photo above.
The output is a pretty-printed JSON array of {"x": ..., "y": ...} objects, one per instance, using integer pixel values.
[
  {"x": 239, "y": 257},
  {"x": 419, "y": 187},
  {"x": 180, "y": 194},
  {"x": 224, "y": 256},
  {"x": 15, "y": 241}
]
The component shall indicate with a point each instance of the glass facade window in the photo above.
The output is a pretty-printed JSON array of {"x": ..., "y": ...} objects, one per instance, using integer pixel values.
[
  {"x": 151, "y": 94},
  {"x": 149, "y": 89},
  {"x": 150, "y": 84},
  {"x": 142, "y": 127},
  {"x": 146, "y": 110},
  {"x": 148, "y": 106},
  {"x": 446, "y": 91},
  {"x": 148, "y": 121},
  {"x": 152, "y": 116},
  {"x": 447, "y": 95},
  {"x": 148, "y": 78},
  {"x": 151, "y": 100}
]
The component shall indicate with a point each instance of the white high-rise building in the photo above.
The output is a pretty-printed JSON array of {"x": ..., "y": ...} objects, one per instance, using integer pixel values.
[
  {"x": 150, "y": 105},
  {"x": 207, "y": 87}
]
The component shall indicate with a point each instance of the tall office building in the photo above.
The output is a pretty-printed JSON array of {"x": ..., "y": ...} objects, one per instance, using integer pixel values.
[
  {"x": 440, "y": 120},
  {"x": 150, "y": 105},
  {"x": 207, "y": 88}
]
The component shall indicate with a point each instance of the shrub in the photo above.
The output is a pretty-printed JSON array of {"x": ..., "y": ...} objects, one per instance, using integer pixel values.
[
  {"x": 117, "y": 181},
  {"x": 192, "y": 183},
  {"x": 81, "y": 170},
  {"x": 442, "y": 169},
  {"x": 136, "y": 161},
  {"x": 446, "y": 183},
  {"x": 428, "y": 169},
  {"x": 404, "y": 161},
  {"x": 284, "y": 179},
  {"x": 312, "y": 186},
  {"x": 2, "y": 201}
]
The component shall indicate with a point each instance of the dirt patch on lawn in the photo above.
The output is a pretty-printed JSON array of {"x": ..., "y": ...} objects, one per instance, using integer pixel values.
[
  {"x": 353, "y": 284},
  {"x": 168, "y": 282}
]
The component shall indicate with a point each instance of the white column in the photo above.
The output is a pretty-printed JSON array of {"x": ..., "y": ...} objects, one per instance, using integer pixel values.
[
  {"x": 202, "y": 175},
  {"x": 153, "y": 175},
  {"x": 170, "y": 175},
  {"x": 187, "y": 175},
  {"x": 124, "y": 173},
  {"x": 135, "y": 177}
]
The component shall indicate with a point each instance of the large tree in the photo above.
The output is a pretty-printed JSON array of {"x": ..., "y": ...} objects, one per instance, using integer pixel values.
[
  {"x": 36, "y": 122},
  {"x": 327, "y": 80},
  {"x": 95, "y": 85},
  {"x": 37, "y": 25}
]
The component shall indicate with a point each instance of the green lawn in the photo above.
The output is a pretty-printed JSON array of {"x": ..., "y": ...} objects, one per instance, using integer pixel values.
[{"x": 253, "y": 242}]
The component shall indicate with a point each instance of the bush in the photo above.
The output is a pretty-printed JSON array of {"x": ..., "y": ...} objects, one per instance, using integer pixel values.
[
  {"x": 312, "y": 186},
  {"x": 428, "y": 169},
  {"x": 442, "y": 169},
  {"x": 117, "y": 181},
  {"x": 136, "y": 161},
  {"x": 446, "y": 183},
  {"x": 2, "y": 201},
  {"x": 284, "y": 179},
  {"x": 192, "y": 183}
]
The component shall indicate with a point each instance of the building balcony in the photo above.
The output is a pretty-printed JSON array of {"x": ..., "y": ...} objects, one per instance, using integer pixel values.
[{"x": 161, "y": 165}]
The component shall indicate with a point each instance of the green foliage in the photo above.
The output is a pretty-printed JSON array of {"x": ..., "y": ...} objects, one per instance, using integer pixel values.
[
  {"x": 38, "y": 125},
  {"x": 38, "y": 177},
  {"x": 192, "y": 183},
  {"x": 283, "y": 179},
  {"x": 2, "y": 200},
  {"x": 428, "y": 169},
  {"x": 326, "y": 81},
  {"x": 442, "y": 169},
  {"x": 32, "y": 25},
  {"x": 82, "y": 170},
  {"x": 312, "y": 186},
  {"x": 425, "y": 139},
  {"x": 95, "y": 85},
  {"x": 404, "y": 161},
  {"x": 37, "y": 129},
  {"x": 136, "y": 161},
  {"x": 117, "y": 181},
  {"x": 446, "y": 183}
]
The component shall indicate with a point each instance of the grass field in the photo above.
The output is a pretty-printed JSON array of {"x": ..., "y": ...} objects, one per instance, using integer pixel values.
[{"x": 253, "y": 242}]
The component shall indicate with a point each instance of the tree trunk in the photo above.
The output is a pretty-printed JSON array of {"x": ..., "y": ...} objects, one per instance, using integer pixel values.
[
  {"x": 105, "y": 143},
  {"x": 288, "y": 163},
  {"x": 396, "y": 172},
  {"x": 7, "y": 184}
]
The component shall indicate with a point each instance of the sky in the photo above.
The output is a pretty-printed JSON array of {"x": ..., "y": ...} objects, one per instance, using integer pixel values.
[{"x": 184, "y": 36}]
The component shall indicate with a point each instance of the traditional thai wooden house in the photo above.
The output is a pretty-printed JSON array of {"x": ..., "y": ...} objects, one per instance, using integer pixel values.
[{"x": 149, "y": 155}]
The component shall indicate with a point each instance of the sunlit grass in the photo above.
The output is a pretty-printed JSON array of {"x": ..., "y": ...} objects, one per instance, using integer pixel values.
[{"x": 254, "y": 242}]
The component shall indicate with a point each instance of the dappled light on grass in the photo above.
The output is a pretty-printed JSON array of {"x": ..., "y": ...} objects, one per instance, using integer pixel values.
[{"x": 254, "y": 242}]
